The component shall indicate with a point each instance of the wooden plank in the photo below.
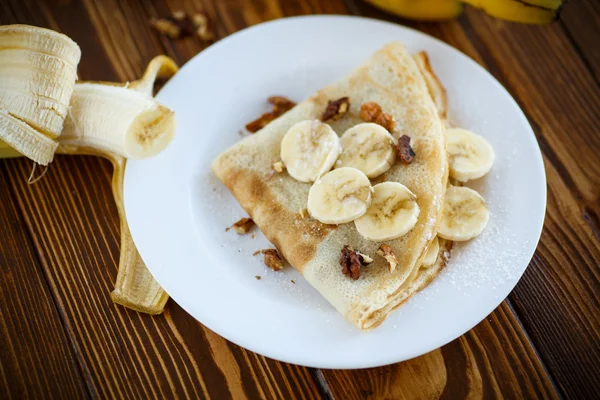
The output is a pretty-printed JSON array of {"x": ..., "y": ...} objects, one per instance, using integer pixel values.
[
  {"x": 129, "y": 355},
  {"x": 493, "y": 360},
  {"x": 562, "y": 101},
  {"x": 581, "y": 20},
  {"x": 37, "y": 359}
]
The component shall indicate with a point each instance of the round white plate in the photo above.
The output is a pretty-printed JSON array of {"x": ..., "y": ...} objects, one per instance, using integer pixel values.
[{"x": 178, "y": 211}]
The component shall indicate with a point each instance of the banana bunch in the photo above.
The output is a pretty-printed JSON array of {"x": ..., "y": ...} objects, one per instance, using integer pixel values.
[
  {"x": 526, "y": 11},
  {"x": 44, "y": 111}
]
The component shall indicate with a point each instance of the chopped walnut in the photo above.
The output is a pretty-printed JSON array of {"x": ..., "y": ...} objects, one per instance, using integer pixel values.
[
  {"x": 203, "y": 28},
  {"x": 386, "y": 252},
  {"x": 351, "y": 261},
  {"x": 242, "y": 227},
  {"x": 405, "y": 151},
  {"x": 278, "y": 166},
  {"x": 280, "y": 106},
  {"x": 260, "y": 122},
  {"x": 179, "y": 25},
  {"x": 257, "y": 277},
  {"x": 336, "y": 109},
  {"x": 167, "y": 27},
  {"x": 372, "y": 112},
  {"x": 272, "y": 259},
  {"x": 365, "y": 258}
]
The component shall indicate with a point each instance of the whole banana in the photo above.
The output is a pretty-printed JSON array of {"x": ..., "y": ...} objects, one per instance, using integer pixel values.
[{"x": 526, "y": 11}]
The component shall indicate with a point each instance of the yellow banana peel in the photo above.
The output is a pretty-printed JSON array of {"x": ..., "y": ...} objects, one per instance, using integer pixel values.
[
  {"x": 8, "y": 152},
  {"x": 427, "y": 10},
  {"x": 525, "y": 11}
]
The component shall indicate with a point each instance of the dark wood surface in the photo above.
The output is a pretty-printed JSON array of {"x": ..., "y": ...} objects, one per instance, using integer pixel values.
[{"x": 61, "y": 336}]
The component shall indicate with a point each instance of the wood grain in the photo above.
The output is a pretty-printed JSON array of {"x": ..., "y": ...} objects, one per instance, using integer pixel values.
[
  {"x": 73, "y": 224},
  {"x": 129, "y": 355},
  {"x": 37, "y": 358},
  {"x": 581, "y": 21},
  {"x": 493, "y": 360},
  {"x": 563, "y": 276}
]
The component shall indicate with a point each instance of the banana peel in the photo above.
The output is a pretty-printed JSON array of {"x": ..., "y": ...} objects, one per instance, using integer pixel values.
[
  {"x": 525, "y": 11},
  {"x": 135, "y": 287},
  {"x": 427, "y": 10}
]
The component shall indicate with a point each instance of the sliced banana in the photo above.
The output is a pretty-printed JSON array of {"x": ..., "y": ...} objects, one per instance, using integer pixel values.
[
  {"x": 368, "y": 147},
  {"x": 393, "y": 212},
  {"x": 309, "y": 149},
  {"x": 339, "y": 196},
  {"x": 464, "y": 214},
  {"x": 471, "y": 156},
  {"x": 432, "y": 253}
]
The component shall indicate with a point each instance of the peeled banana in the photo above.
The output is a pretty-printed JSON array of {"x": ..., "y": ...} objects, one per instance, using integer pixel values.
[
  {"x": 526, "y": 11},
  {"x": 37, "y": 75},
  {"x": 42, "y": 110},
  {"x": 118, "y": 120},
  {"x": 309, "y": 149}
]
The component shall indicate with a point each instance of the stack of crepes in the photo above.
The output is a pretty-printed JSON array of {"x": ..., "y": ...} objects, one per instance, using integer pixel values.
[{"x": 405, "y": 87}]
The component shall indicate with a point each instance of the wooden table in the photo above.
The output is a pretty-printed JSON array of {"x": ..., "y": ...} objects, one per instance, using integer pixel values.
[{"x": 61, "y": 336}]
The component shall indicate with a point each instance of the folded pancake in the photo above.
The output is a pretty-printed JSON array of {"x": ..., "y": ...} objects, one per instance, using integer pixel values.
[{"x": 392, "y": 79}]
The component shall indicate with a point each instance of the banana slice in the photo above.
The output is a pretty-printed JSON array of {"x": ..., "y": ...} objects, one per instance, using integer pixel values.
[
  {"x": 309, "y": 149},
  {"x": 393, "y": 212},
  {"x": 432, "y": 253},
  {"x": 368, "y": 147},
  {"x": 464, "y": 214},
  {"x": 339, "y": 196},
  {"x": 471, "y": 156}
]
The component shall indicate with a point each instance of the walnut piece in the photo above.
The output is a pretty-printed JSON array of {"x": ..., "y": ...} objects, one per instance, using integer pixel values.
[
  {"x": 336, "y": 109},
  {"x": 272, "y": 259},
  {"x": 372, "y": 112},
  {"x": 404, "y": 150},
  {"x": 280, "y": 105},
  {"x": 242, "y": 227},
  {"x": 179, "y": 25},
  {"x": 167, "y": 27},
  {"x": 260, "y": 122},
  {"x": 386, "y": 252},
  {"x": 278, "y": 166},
  {"x": 203, "y": 27},
  {"x": 365, "y": 258},
  {"x": 351, "y": 261}
]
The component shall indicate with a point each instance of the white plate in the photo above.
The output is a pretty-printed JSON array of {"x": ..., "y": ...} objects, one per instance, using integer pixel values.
[{"x": 177, "y": 210}]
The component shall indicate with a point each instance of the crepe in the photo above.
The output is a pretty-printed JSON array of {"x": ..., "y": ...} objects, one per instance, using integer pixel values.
[{"x": 390, "y": 78}]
